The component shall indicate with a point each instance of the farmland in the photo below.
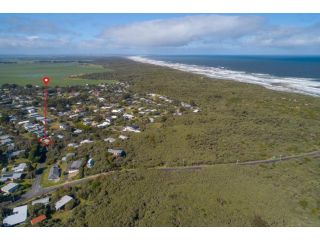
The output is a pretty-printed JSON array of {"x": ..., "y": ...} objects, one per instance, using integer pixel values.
[{"x": 60, "y": 73}]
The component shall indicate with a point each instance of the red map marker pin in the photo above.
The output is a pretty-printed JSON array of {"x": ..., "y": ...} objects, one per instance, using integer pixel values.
[{"x": 45, "y": 80}]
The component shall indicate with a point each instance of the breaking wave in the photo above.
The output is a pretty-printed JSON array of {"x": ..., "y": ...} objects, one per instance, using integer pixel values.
[{"x": 307, "y": 86}]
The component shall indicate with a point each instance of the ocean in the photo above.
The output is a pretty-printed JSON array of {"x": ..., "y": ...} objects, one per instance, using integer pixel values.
[{"x": 300, "y": 74}]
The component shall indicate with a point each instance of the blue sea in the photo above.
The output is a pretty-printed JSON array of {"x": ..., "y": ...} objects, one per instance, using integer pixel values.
[{"x": 299, "y": 74}]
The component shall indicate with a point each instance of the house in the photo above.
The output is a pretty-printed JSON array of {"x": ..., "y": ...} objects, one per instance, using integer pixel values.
[
  {"x": 109, "y": 140},
  {"x": 74, "y": 145},
  {"x": 120, "y": 110},
  {"x": 10, "y": 188},
  {"x": 60, "y": 136},
  {"x": 3, "y": 137},
  {"x": 185, "y": 105},
  {"x": 127, "y": 116},
  {"x": 30, "y": 109},
  {"x": 86, "y": 141},
  {"x": 17, "y": 153},
  {"x": 103, "y": 124},
  {"x": 90, "y": 163},
  {"x": 75, "y": 166},
  {"x": 44, "y": 201},
  {"x": 19, "y": 216},
  {"x": 63, "y": 201},
  {"x": 131, "y": 129},
  {"x": 117, "y": 152},
  {"x": 10, "y": 176},
  {"x": 5, "y": 141},
  {"x": 23, "y": 122},
  {"x": 123, "y": 137},
  {"x": 77, "y": 131},
  {"x": 68, "y": 155},
  {"x": 54, "y": 173},
  {"x": 38, "y": 219},
  {"x": 19, "y": 168}
]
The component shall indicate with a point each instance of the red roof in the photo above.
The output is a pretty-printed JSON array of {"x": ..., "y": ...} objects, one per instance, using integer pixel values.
[{"x": 38, "y": 219}]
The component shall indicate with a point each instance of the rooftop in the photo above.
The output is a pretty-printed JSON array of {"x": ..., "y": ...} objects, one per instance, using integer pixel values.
[
  {"x": 38, "y": 219},
  {"x": 19, "y": 215},
  {"x": 63, "y": 201},
  {"x": 44, "y": 201},
  {"x": 9, "y": 187}
]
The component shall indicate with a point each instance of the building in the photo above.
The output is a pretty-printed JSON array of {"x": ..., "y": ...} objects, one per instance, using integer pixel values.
[
  {"x": 63, "y": 201},
  {"x": 85, "y": 141},
  {"x": 68, "y": 155},
  {"x": 127, "y": 116},
  {"x": 131, "y": 129},
  {"x": 19, "y": 216},
  {"x": 10, "y": 176},
  {"x": 103, "y": 124},
  {"x": 117, "y": 152},
  {"x": 123, "y": 137},
  {"x": 44, "y": 201},
  {"x": 77, "y": 131},
  {"x": 19, "y": 168},
  {"x": 54, "y": 174},
  {"x": 10, "y": 188},
  {"x": 75, "y": 166},
  {"x": 38, "y": 219},
  {"x": 109, "y": 140},
  {"x": 62, "y": 126}
]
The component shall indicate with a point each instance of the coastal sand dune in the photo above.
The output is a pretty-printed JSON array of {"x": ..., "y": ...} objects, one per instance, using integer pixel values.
[{"x": 307, "y": 86}]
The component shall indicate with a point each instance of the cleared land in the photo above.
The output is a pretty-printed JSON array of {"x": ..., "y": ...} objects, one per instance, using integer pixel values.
[{"x": 61, "y": 74}]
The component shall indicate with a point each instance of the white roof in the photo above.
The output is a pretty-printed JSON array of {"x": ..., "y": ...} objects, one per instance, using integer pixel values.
[
  {"x": 41, "y": 201},
  {"x": 64, "y": 200},
  {"x": 20, "y": 167},
  {"x": 8, "y": 187},
  {"x": 19, "y": 215}
]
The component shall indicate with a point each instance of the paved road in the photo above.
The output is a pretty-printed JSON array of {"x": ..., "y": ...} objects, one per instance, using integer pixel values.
[{"x": 36, "y": 189}]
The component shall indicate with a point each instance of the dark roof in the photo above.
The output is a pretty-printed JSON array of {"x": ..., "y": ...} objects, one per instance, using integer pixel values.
[
  {"x": 54, "y": 173},
  {"x": 75, "y": 165}
]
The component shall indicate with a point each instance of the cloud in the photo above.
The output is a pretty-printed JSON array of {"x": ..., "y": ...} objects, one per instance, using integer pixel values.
[
  {"x": 193, "y": 34},
  {"x": 23, "y": 25},
  {"x": 181, "y": 31},
  {"x": 286, "y": 37},
  {"x": 32, "y": 42}
]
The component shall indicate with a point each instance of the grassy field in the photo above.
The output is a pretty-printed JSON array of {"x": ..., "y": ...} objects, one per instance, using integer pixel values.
[{"x": 24, "y": 73}]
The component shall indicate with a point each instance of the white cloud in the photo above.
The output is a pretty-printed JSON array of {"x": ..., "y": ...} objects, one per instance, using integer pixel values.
[
  {"x": 286, "y": 37},
  {"x": 181, "y": 31}
]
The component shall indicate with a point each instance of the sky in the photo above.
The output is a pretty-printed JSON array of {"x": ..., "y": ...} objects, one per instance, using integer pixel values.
[{"x": 144, "y": 34}]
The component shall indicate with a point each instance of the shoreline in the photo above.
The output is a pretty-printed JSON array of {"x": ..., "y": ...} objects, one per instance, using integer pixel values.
[{"x": 305, "y": 86}]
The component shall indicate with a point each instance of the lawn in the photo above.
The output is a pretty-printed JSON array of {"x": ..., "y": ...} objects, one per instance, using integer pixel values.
[{"x": 60, "y": 74}]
